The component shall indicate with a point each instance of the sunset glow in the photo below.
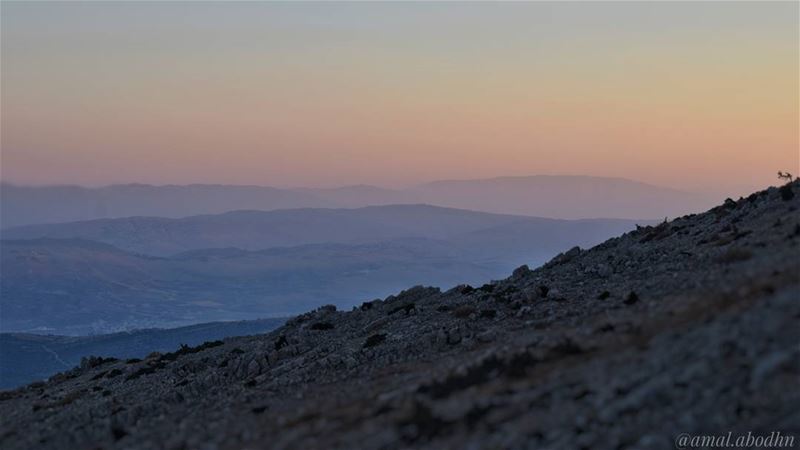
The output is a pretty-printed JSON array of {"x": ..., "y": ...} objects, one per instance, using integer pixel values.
[{"x": 688, "y": 95}]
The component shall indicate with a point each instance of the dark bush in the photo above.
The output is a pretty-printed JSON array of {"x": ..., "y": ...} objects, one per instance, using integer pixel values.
[
  {"x": 463, "y": 311},
  {"x": 89, "y": 362},
  {"x": 185, "y": 350},
  {"x": 488, "y": 313},
  {"x": 407, "y": 308},
  {"x": 735, "y": 254},
  {"x": 366, "y": 306},
  {"x": 786, "y": 192},
  {"x": 99, "y": 375},
  {"x": 280, "y": 342},
  {"x": 118, "y": 433},
  {"x": 374, "y": 340},
  {"x": 542, "y": 290}
]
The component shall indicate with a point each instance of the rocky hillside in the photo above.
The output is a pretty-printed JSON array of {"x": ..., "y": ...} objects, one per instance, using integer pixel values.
[{"x": 686, "y": 327}]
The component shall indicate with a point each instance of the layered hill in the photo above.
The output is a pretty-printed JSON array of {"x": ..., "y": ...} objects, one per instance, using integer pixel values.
[
  {"x": 257, "y": 230},
  {"x": 80, "y": 287},
  {"x": 102, "y": 276},
  {"x": 685, "y": 327},
  {"x": 25, "y": 205},
  {"x": 564, "y": 197}
]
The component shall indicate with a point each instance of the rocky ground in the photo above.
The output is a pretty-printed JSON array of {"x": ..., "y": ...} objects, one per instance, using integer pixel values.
[{"x": 691, "y": 326}]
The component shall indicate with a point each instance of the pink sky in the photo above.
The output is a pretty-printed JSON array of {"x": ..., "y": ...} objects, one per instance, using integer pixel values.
[{"x": 693, "y": 95}]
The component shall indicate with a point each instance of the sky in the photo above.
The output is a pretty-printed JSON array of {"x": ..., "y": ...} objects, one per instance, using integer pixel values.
[{"x": 700, "y": 96}]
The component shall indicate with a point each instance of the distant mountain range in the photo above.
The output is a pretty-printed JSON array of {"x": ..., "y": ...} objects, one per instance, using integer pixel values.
[
  {"x": 566, "y": 197},
  {"x": 36, "y": 357},
  {"x": 106, "y": 275},
  {"x": 258, "y": 230}
]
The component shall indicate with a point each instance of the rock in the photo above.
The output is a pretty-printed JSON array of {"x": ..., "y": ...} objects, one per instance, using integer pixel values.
[
  {"x": 631, "y": 298},
  {"x": 253, "y": 368},
  {"x": 603, "y": 270},
  {"x": 377, "y": 324},
  {"x": 521, "y": 272}
]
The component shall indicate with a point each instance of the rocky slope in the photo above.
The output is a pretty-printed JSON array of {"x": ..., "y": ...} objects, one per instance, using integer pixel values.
[{"x": 690, "y": 326}]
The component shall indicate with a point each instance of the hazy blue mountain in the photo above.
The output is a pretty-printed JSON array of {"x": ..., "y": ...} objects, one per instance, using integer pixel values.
[
  {"x": 72, "y": 285},
  {"x": 363, "y": 195},
  {"x": 22, "y": 205},
  {"x": 565, "y": 197},
  {"x": 255, "y": 230},
  {"x": 37, "y": 357},
  {"x": 80, "y": 287}
]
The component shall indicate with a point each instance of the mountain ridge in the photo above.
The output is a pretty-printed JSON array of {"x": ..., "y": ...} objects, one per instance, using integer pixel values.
[
  {"x": 551, "y": 196},
  {"x": 254, "y": 229}
]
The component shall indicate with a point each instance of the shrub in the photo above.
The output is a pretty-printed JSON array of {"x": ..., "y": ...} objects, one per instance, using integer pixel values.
[
  {"x": 118, "y": 433},
  {"x": 407, "y": 308},
  {"x": 735, "y": 254},
  {"x": 786, "y": 192},
  {"x": 89, "y": 362},
  {"x": 374, "y": 340},
  {"x": 279, "y": 343},
  {"x": 366, "y": 306},
  {"x": 141, "y": 372},
  {"x": 542, "y": 290},
  {"x": 488, "y": 313},
  {"x": 463, "y": 311},
  {"x": 185, "y": 350}
]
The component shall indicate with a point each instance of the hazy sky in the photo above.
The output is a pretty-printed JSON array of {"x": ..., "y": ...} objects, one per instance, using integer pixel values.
[{"x": 677, "y": 94}]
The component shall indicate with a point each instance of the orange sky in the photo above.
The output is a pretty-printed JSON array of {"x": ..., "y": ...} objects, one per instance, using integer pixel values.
[{"x": 693, "y": 95}]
